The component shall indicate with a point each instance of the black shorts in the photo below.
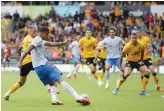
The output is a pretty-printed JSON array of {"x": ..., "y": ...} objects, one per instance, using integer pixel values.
[
  {"x": 101, "y": 61},
  {"x": 89, "y": 61},
  {"x": 148, "y": 62},
  {"x": 133, "y": 65},
  {"x": 7, "y": 59},
  {"x": 26, "y": 68}
]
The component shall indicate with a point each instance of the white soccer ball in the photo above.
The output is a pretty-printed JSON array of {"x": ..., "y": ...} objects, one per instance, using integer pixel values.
[
  {"x": 86, "y": 102},
  {"x": 84, "y": 96}
]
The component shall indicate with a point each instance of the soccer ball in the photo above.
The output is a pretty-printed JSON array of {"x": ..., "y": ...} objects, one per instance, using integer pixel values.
[
  {"x": 84, "y": 96},
  {"x": 87, "y": 102}
]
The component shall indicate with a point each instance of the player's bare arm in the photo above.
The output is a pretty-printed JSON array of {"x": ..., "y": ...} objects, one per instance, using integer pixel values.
[
  {"x": 80, "y": 49},
  {"x": 142, "y": 53},
  {"x": 121, "y": 59},
  {"x": 53, "y": 44},
  {"x": 25, "y": 52},
  {"x": 99, "y": 47},
  {"x": 149, "y": 49}
]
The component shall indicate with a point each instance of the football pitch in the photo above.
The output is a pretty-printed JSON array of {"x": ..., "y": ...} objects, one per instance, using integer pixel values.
[{"x": 33, "y": 96}]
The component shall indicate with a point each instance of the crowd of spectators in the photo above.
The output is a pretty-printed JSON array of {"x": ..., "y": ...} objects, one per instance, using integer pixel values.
[{"x": 99, "y": 22}]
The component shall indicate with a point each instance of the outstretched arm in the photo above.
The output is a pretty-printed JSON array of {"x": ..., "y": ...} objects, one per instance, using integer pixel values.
[{"x": 53, "y": 44}]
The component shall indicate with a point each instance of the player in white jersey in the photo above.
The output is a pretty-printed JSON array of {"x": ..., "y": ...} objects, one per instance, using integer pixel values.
[
  {"x": 47, "y": 72},
  {"x": 74, "y": 48},
  {"x": 113, "y": 46}
]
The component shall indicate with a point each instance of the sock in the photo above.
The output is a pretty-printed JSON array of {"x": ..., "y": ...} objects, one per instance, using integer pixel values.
[
  {"x": 72, "y": 72},
  {"x": 101, "y": 75},
  {"x": 155, "y": 78},
  {"x": 107, "y": 76},
  {"x": 14, "y": 87},
  {"x": 53, "y": 93},
  {"x": 95, "y": 75},
  {"x": 77, "y": 68},
  {"x": 69, "y": 89},
  {"x": 144, "y": 82},
  {"x": 121, "y": 81}
]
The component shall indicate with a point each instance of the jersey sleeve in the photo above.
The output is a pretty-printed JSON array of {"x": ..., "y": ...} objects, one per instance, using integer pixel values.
[
  {"x": 81, "y": 42},
  {"x": 121, "y": 40},
  {"x": 95, "y": 43},
  {"x": 103, "y": 43},
  {"x": 37, "y": 41},
  {"x": 125, "y": 49},
  {"x": 70, "y": 46},
  {"x": 25, "y": 44},
  {"x": 142, "y": 46}
]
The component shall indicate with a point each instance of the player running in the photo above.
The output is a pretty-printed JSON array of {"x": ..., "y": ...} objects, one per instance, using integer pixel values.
[
  {"x": 135, "y": 52},
  {"x": 88, "y": 46},
  {"x": 101, "y": 58},
  {"x": 47, "y": 72},
  {"x": 147, "y": 59},
  {"x": 74, "y": 48},
  {"x": 113, "y": 46}
]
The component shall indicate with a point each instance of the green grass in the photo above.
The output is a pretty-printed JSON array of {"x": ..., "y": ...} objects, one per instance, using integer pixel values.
[{"x": 33, "y": 96}]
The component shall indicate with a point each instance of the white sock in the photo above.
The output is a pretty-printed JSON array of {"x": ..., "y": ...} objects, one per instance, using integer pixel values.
[
  {"x": 76, "y": 68},
  {"x": 7, "y": 94},
  {"x": 53, "y": 93},
  {"x": 72, "y": 72},
  {"x": 69, "y": 89},
  {"x": 107, "y": 76}
]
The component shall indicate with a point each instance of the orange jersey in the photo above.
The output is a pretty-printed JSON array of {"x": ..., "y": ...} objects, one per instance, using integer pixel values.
[
  {"x": 133, "y": 52},
  {"x": 26, "y": 41},
  {"x": 88, "y": 47},
  {"x": 146, "y": 42},
  {"x": 103, "y": 52}
]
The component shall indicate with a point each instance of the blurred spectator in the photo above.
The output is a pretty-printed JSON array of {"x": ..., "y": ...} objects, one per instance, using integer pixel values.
[
  {"x": 76, "y": 16},
  {"x": 52, "y": 14},
  {"x": 82, "y": 3}
]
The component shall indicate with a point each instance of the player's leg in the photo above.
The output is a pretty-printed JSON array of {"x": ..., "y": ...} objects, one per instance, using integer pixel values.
[
  {"x": 71, "y": 90},
  {"x": 24, "y": 71},
  {"x": 144, "y": 70},
  {"x": 72, "y": 70},
  {"x": 49, "y": 74},
  {"x": 108, "y": 65},
  {"x": 76, "y": 63},
  {"x": 93, "y": 71},
  {"x": 15, "y": 86},
  {"x": 92, "y": 65},
  {"x": 53, "y": 92},
  {"x": 152, "y": 69},
  {"x": 4, "y": 63},
  {"x": 117, "y": 63},
  {"x": 101, "y": 66},
  {"x": 127, "y": 72},
  {"x": 55, "y": 85}
]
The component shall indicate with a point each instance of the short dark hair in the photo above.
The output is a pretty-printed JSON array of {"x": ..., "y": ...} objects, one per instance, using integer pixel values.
[
  {"x": 43, "y": 29},
  {"x": 112, "y": 29},
  {"x": 88, "y": 29}
]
